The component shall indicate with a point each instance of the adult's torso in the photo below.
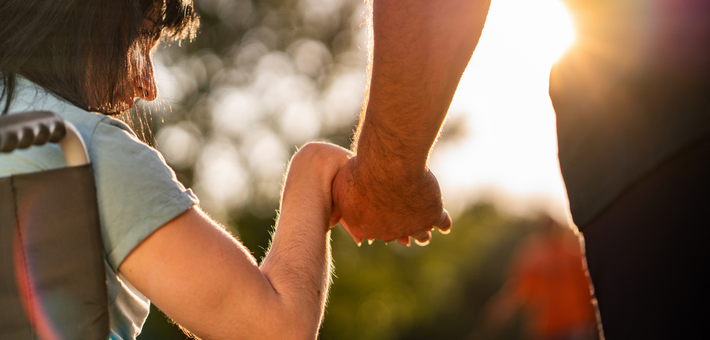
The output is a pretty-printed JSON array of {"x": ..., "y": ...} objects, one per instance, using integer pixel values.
[{"x": 632, "y": 92}]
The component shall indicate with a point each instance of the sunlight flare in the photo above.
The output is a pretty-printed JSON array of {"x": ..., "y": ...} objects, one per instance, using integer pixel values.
[{"x": 511, "y": 151}]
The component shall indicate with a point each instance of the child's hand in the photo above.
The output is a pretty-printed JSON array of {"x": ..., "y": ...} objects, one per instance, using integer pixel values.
[{"x": 310, "y": 178}]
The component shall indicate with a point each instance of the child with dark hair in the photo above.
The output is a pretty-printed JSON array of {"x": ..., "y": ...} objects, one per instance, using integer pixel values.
[
  {"x": 93, "y": 54},
  {"x": 89, "y": 59}
]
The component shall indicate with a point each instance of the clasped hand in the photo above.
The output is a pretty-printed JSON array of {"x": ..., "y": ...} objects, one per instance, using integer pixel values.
[{"x": 388, "y": 205}]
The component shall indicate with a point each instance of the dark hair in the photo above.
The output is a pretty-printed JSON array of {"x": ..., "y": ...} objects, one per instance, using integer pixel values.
[{"x": 83, "y": 50}]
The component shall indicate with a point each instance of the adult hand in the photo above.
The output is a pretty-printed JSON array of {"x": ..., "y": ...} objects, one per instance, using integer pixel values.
[
  {"x": 419, "y": 52},
  {"x": 388, "y": 205}
]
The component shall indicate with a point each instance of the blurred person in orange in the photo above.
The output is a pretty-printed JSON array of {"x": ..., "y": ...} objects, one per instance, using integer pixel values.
[{"x": 547, "y": 281}]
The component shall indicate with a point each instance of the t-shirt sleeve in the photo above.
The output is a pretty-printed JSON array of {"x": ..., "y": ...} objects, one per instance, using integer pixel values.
[{"x": 137, "y": 192}]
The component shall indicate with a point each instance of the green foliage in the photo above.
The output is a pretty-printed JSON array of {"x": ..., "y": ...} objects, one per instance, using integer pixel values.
[
  {"x": 159, "y": 327},
  {"x": 255, "y": 230},
  {"x": 260, "y": 79},
  {"x": 387, "y": 291}
]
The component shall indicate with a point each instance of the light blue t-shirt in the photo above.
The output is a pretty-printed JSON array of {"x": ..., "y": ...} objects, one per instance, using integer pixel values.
[{"x": 136, "y": 190}]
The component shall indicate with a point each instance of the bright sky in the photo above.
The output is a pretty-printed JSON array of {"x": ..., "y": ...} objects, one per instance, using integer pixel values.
[{"x": 510, "y": 152}]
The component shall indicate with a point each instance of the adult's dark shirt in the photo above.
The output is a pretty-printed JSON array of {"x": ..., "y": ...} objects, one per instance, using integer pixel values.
[{"x": 632, "y": 92}]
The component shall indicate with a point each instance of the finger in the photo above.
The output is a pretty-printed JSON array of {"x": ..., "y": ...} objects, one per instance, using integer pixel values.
[
  {"x": 444, "y": 223},
  {"x": 422, "y": 238},
  {"x": 404, "y": 241},
  {"x": 355, "y": 238}
]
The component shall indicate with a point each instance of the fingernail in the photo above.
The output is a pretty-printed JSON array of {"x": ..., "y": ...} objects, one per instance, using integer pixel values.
[
  {"x": 359, "y": 243},
  {"x": 421, "y": 243},
  {"x": 445, "y": 232},
  {"x": 369, "y": 241}
]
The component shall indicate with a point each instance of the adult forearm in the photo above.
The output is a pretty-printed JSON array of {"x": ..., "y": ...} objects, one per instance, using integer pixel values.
[{"x": 420, "y": 51}]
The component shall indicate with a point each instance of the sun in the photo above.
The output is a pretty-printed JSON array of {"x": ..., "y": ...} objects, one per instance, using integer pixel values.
[
  {"x": 556, "y": 23},
  {"x": 511, "y": 149},
  {"x": 543, "y": 29}
]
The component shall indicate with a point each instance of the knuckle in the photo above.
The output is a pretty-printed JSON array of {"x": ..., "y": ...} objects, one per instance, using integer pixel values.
[
  {"x": 309, "y": 149},
  {"x": 312, "y": 153}
]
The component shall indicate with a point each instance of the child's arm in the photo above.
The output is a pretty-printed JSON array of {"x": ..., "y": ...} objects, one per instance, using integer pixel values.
[{"x": 209, "y": 283}]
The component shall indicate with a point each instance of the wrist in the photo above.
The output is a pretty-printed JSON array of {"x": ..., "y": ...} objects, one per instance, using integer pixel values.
[
  {"x": 384, "y": 153},
  {"x": 309, "y": 181},
  {"x": 306, "y": 200}
]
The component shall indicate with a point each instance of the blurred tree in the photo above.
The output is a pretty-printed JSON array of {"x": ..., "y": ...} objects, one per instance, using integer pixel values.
[
  {"x": 265, "y": 76},
  {"x": 434, "y": 292},
  {"x": 261, "y": 78}
]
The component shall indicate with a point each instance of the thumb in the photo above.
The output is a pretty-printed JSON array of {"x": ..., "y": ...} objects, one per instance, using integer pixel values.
[
  {"x": 355, "y": 238},
  {"x": 335, "y": 216}
]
